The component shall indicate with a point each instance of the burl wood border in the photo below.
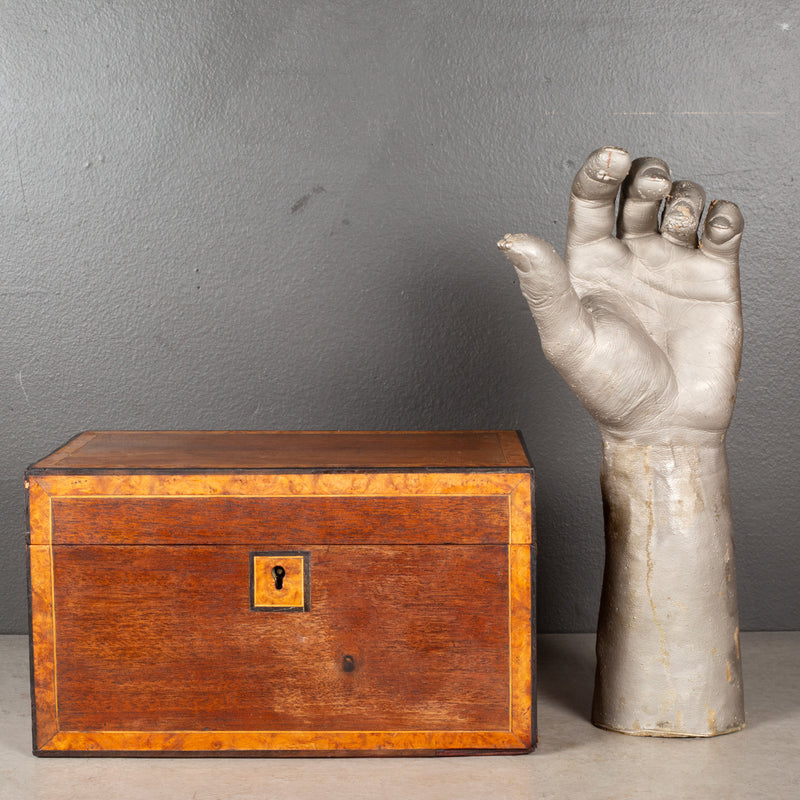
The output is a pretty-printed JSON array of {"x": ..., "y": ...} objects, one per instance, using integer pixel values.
[{"x": 49, "y": 739}]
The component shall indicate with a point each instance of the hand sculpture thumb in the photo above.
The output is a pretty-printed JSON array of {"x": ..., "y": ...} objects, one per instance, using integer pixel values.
[{"x": 564, "y": 323}]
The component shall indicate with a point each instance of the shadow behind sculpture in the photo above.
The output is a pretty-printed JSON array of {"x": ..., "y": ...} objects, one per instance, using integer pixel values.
[{"x": 646, "y": 329}]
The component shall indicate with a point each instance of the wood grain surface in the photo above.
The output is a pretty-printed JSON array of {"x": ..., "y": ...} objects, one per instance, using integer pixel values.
[
  {"x": 416, "y": 636},
  {"x": 285, "y": 450},
  {"x": 291, "y": 520},
  {"x": 163, "y": 638}
]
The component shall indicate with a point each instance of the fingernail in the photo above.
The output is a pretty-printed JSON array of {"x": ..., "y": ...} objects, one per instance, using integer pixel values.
[
  {"x": 721, "y": 222},
  {"x": 652, "y": 183},
  {"x": 610, "y": 164},
  {"x": 655, "y": 174}
]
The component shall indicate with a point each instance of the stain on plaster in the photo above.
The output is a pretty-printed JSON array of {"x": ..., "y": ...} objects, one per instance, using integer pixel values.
[{"x": 302, "y": 202}]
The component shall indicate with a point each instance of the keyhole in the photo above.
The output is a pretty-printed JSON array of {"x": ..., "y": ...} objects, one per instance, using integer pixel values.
[{"x": 278, "y": 573}]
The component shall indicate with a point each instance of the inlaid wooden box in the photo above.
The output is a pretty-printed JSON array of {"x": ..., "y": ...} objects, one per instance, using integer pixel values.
[{"x": 289, "y": 593}]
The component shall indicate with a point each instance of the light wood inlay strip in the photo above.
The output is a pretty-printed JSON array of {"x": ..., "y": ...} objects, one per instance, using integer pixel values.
[
  {"x": 43, "y": 642},
  {"x": 520, "y": 640},
  {"x": 288, "y": 485},
  {"x": 40, "y": 516},
  {"x": 220, "y": 741},
  {"x": 520, "y": 512}
]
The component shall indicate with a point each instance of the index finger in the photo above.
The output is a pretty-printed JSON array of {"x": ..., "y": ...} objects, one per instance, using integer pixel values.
[{"x": 594, "y": 191}]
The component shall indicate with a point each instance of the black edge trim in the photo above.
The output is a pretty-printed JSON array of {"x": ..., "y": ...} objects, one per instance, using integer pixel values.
[
  {"x": 275, "y": 470},
  {"x": 282, "y": 753}
]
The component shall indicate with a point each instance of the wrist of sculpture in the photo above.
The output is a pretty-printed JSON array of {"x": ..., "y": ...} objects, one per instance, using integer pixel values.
[{"x": 668, "y": 660}]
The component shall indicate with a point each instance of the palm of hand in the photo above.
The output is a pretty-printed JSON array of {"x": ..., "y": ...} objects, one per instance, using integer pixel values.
[{"x": 646, "y": 328}]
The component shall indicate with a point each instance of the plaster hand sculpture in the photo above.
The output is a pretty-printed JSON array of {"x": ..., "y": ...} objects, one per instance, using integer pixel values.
[{"x": 645, "y": 326}]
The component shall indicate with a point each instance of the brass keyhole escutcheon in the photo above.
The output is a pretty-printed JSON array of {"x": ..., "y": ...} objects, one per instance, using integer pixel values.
[{"x": 278, "y": 574}]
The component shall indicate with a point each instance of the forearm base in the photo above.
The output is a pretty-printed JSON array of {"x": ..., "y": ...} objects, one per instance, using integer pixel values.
[{"x": 668, "y": 661}]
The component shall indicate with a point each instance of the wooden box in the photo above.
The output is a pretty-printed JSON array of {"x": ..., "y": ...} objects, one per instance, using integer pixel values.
[{"x": 290, "y": 593}]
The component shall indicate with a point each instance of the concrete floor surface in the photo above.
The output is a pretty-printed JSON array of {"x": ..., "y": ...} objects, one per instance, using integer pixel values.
[{"x": 573, "y": 759}]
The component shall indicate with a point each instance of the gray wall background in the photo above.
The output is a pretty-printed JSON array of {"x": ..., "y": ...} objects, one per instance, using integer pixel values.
[{"x": 283, "y": 214}]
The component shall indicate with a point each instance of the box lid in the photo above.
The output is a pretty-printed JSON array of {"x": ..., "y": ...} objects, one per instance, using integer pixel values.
[{"x": 274, "y": 451}]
